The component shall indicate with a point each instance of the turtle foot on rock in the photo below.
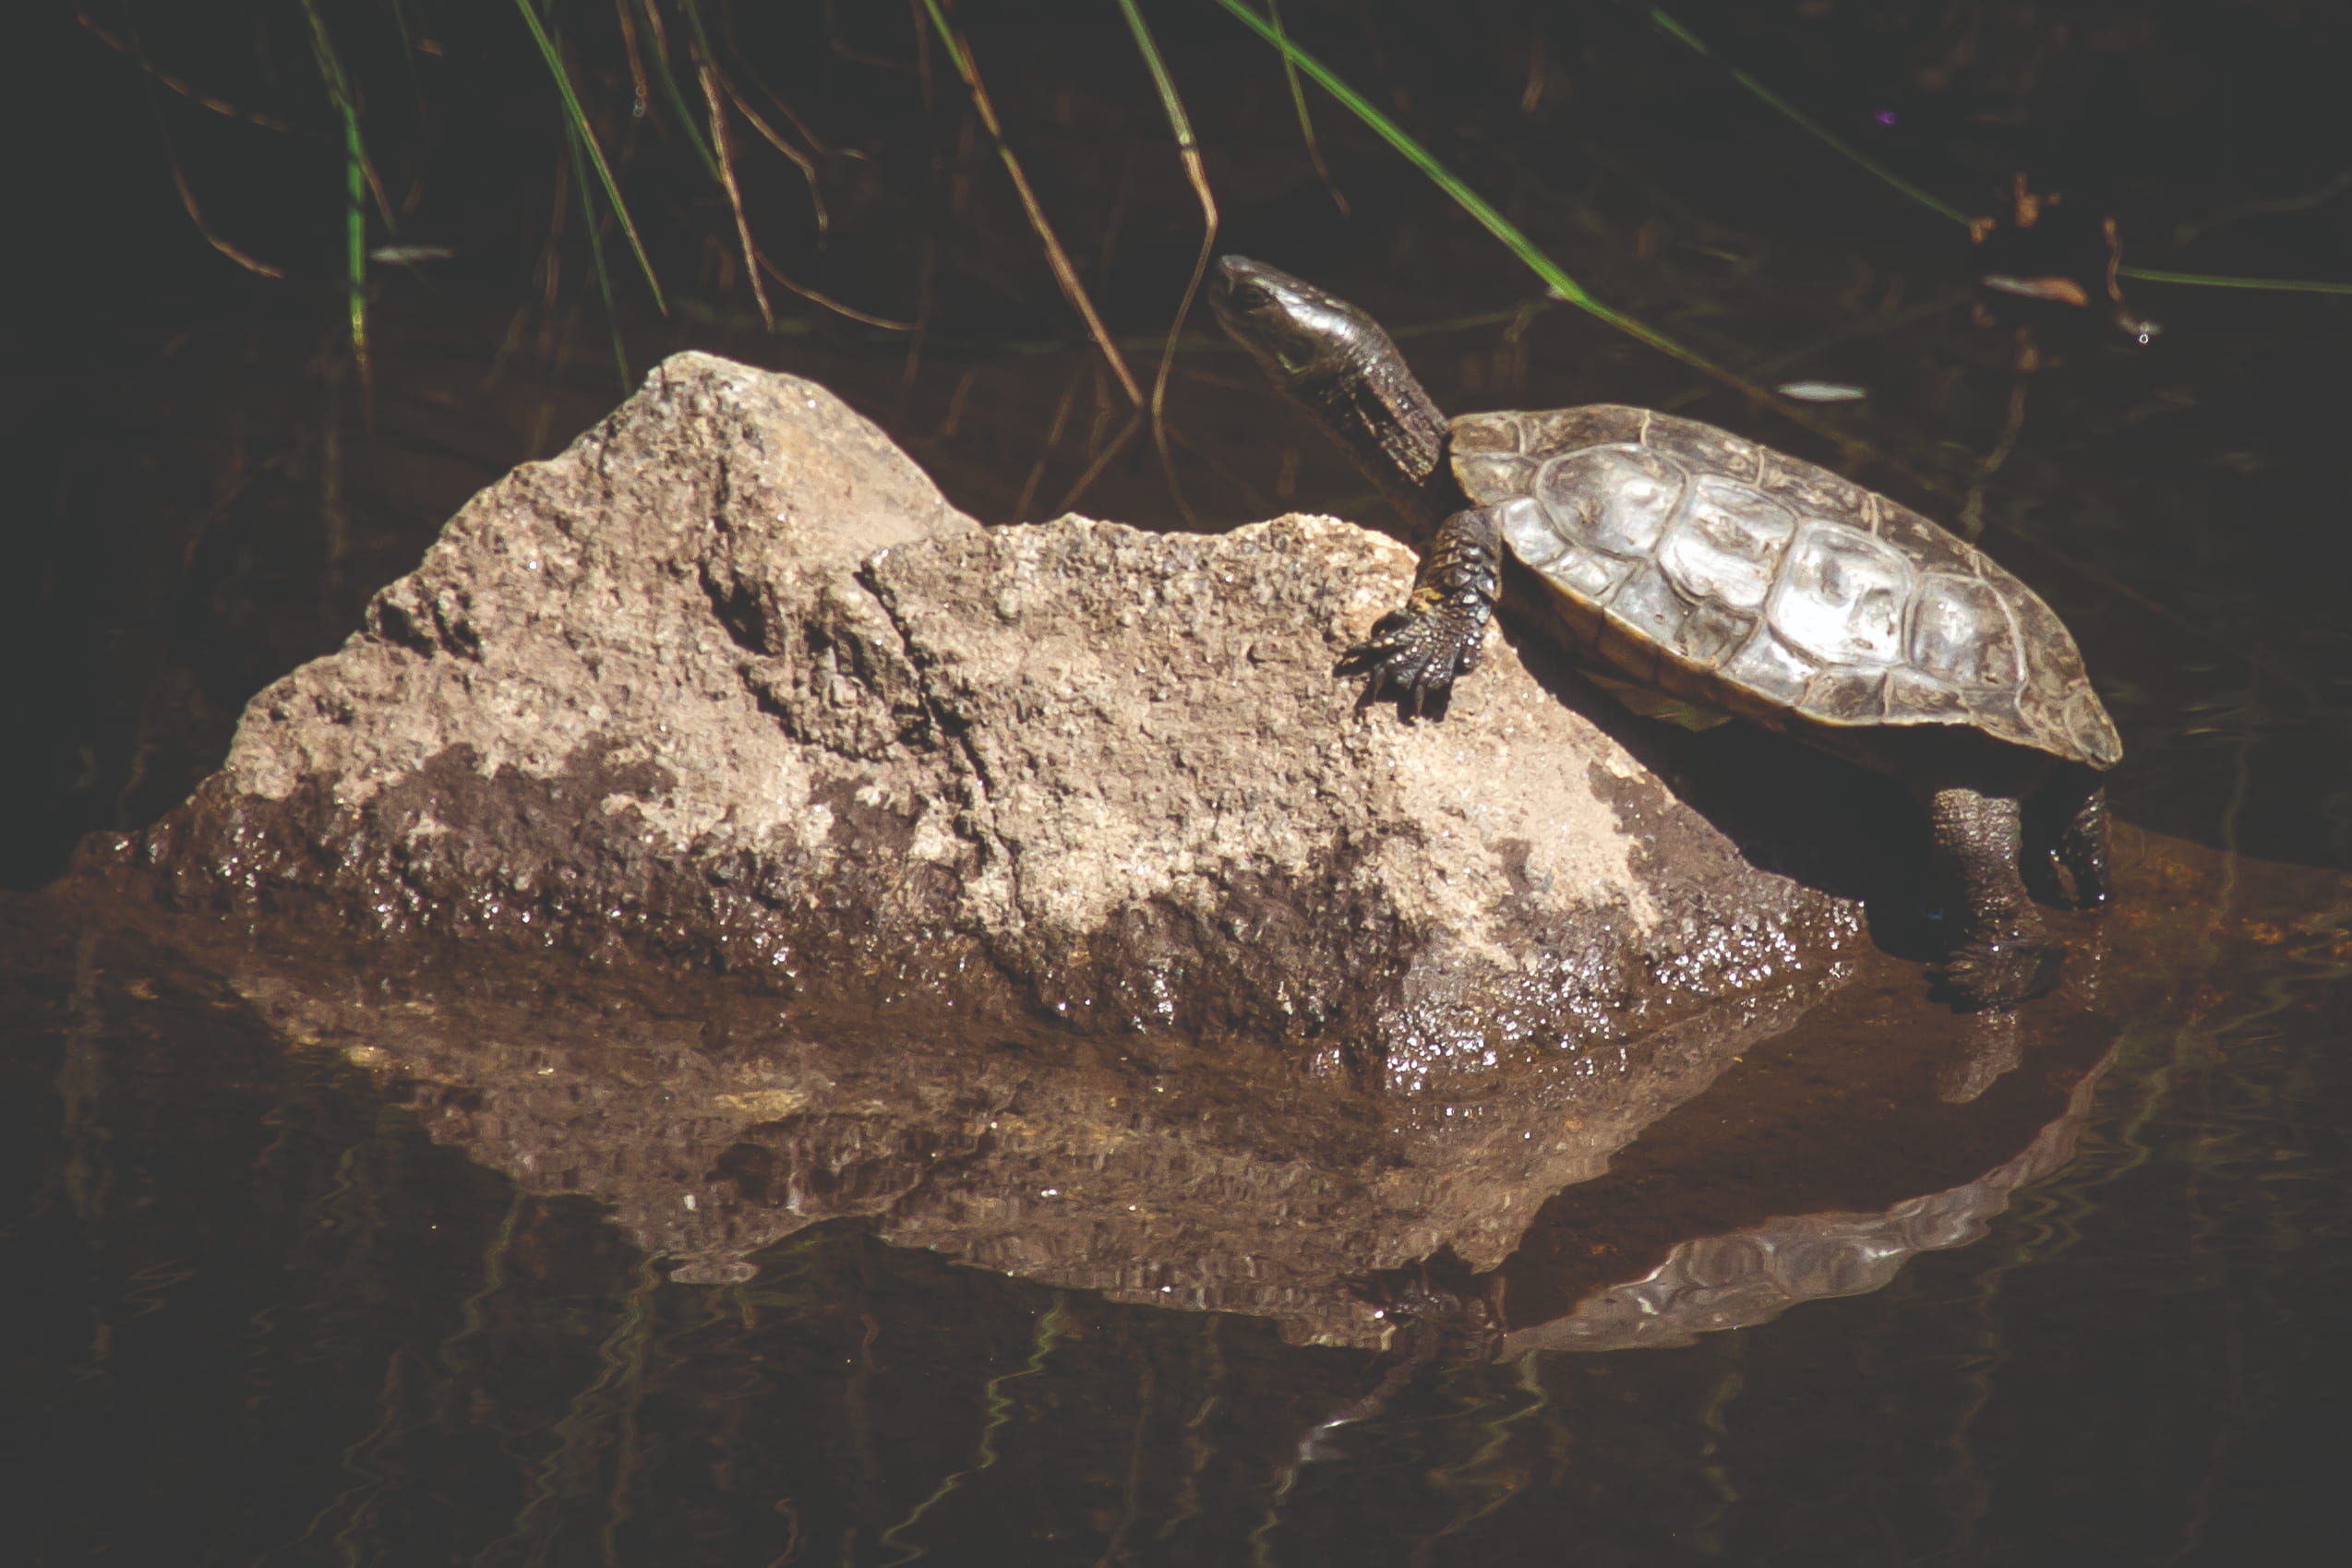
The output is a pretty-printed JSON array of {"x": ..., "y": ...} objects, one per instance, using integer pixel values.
[
  {"x": 1415, "y": 655},
  {"x": 1419, "y": 652}
]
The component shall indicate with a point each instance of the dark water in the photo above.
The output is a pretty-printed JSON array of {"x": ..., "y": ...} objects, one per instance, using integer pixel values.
[{"x": 276, "y": 1301}]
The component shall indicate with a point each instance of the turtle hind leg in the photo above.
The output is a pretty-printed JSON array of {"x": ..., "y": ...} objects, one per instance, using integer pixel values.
[
  {"x": 2000, "y": 954},
  {"x": 2065, "y": 831},
  {"x": 1419, "y": 652}
]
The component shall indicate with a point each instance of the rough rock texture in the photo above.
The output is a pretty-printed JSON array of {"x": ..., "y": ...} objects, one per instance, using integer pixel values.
[{"x": 728, "y": 682}]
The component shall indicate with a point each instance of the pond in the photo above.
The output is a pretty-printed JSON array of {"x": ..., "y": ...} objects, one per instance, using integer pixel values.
[{"x": 332, "y": 1254}]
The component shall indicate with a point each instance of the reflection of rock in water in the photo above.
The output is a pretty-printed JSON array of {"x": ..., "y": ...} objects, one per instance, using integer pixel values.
[
  {"x": 718, "y": 1122},
  {"x": 1702, "y": 1177},
  {"x": 1224, "y": 1177}
]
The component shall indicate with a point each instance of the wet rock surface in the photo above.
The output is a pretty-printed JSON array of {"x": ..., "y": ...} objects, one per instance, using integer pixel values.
[{"x": 729, "y": 684}]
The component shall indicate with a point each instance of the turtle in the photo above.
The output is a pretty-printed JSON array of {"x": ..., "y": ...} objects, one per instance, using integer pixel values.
[{"x": 1697, "y": 573}]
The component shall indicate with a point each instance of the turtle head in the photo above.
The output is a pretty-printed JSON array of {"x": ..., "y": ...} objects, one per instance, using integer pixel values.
[
  {"x": 1336, "y": 362},
  {"x": 1300, "y": 335}
]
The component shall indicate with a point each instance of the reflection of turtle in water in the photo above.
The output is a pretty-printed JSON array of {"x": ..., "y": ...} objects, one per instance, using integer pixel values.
[{"x": 1686, "y": 562}]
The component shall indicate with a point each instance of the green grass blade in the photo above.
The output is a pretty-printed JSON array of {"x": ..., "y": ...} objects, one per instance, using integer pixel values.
[
  {"x": 2217, "y": 280},
  {"x": 331, "y": 69},
  {"x": 1164, "y": 84},
  {"x": 596, "y": 252},
  {"x": 1554, "y": 278},
  {"x": 579, "y": 120},
  {"x": 1805, "y": 122}
]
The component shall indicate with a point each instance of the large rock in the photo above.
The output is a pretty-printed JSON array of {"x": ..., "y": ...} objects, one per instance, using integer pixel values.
[{"x": 729, "y": 683}]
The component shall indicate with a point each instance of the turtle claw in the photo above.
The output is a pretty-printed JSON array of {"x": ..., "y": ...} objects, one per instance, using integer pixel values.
[
  {"x": 1993, "y": 974},
  {"x": 1414, "y": 656}
]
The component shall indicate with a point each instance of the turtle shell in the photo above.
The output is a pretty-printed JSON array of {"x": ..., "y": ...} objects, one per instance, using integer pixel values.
[{"x": 1715, "y": 569}]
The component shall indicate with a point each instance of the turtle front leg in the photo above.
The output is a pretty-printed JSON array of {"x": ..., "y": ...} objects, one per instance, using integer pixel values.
[
  {"x": 1419, "y": 652},
  {"x": 2001, "y": 954}
]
